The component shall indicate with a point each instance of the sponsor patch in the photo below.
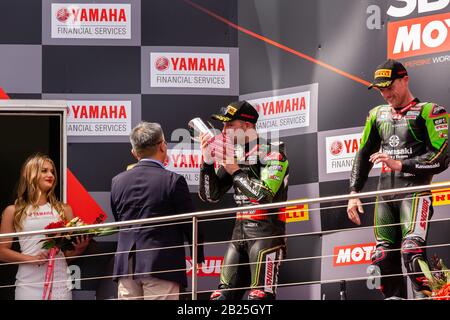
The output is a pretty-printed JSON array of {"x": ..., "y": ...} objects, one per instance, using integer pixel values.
[
  {"x": 384, "y": 84},
  {"x": 428, "y": 166},
  {"x": 274, "y": 156},
  {"x": 383, "y": 73},
  {"x": 231, "y": 110},
  {"x": 441, "y": 127},
  {"x": 270, "y": 272},
  {"x": 413, "y": 113},
  {"x": 222, "y": 118},
  {"x": 384, "y": 115},
  {"x": 274, "y": 168},
  {"x": 437, "y": 110},
  {"x": 394, "y": 141},
  {"x": 440, "y": 121}
]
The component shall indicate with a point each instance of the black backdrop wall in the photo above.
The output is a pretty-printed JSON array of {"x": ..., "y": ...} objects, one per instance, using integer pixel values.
[{"x": 321, "y": 53}]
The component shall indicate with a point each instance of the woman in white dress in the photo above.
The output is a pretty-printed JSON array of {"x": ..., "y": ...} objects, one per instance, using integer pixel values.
[{"x": 35, "y": 207}]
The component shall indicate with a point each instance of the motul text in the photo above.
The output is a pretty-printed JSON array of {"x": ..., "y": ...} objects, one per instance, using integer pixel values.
[
  {"x": 354, "y": 254},
  {"x": 419, "y": 36}
]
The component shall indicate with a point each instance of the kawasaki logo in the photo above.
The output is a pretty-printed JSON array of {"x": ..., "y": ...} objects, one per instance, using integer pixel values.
[
  {"x": 428, "y": 166},
  {"x": 394, "y": 141},
  {"x": 397, "y": 152}
]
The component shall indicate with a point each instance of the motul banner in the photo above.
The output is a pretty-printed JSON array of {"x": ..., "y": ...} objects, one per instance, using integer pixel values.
[
  {"x": 419, "y": 36},
  {"x": 353, "y": 254}
]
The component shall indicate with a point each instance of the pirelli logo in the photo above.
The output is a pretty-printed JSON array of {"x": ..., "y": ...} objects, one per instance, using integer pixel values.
[
  {"x": 383, "y": 73},
  {"x": 441, "y": 197},
  {"x": 296, "y": 213}
]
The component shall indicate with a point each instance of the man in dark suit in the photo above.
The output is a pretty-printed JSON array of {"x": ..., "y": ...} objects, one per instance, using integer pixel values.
[{"x": 149, "y": 190}]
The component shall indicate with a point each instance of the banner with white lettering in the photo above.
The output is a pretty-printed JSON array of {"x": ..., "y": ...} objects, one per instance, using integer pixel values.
[
  {"x": 185, "y": 161},
  {"x": 283, "y": 112},
  {"x": 341, "y": 151},
  {"x": 287, "y": 111},
  {"x": 98, "y": 118},
  {"x": 189, "y": 70},
  {"x": 347, "y": 254},
  {"x": 91, "y": 21}
]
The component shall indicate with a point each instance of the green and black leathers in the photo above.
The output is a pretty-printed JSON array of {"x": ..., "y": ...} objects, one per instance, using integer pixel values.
[
  {"x": 262, "y": 178},
  {"x": 418, "y": 137}
]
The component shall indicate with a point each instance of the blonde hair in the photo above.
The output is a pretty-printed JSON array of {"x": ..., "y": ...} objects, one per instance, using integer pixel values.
[{"x": 28, "y": 191}]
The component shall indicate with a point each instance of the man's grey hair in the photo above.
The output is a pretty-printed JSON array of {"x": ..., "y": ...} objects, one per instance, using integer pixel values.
[{"x": 146, "y": 136}]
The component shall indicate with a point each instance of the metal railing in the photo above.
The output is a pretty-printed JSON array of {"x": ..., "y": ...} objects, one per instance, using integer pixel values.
[{"x": 195, "y": 216}]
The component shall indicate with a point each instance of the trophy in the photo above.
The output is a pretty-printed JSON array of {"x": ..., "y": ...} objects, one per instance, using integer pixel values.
[
  {"x": 219, "y": 146},
  {"x": 197, "y": 126}
]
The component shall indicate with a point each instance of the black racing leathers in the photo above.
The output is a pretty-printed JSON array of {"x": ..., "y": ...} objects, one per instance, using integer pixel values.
[
  {"x": 417, "y": 137},
  {"x": 262, "y": 178}
]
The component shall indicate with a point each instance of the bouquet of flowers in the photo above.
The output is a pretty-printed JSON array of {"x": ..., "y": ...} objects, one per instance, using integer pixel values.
[
  {"x": 438, "y": 278},
  {"x": 66, "y": 240}
]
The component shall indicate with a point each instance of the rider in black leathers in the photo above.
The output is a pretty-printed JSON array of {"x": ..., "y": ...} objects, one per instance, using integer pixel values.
[{"x": 261, "y": 177}]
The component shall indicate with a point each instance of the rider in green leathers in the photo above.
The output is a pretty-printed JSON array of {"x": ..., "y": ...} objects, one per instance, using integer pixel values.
[{"x": 410, "y": 139}]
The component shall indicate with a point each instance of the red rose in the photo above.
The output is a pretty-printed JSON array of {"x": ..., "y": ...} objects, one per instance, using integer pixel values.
[{"x": 55, "y": 225}]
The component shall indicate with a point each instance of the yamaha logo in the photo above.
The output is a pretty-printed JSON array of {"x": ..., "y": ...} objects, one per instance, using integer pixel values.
[
  {"x": 162, "y": 64},
  {"x": 394, "y": 141},
  {"x": 62, "y": 15},
  {"x": 336, "y": 148}
]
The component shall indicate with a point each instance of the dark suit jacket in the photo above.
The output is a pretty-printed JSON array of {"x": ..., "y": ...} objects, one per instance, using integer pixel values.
[{"x": 145, "y": 191}]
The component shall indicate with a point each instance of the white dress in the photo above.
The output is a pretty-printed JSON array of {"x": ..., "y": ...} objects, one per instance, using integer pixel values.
[{"x": 30, "y": 278}]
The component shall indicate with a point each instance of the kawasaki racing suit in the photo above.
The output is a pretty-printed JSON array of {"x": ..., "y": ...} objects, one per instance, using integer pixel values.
[
  {"x": 262, "y": 178},
  {"x": 417, "y": 136}
]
